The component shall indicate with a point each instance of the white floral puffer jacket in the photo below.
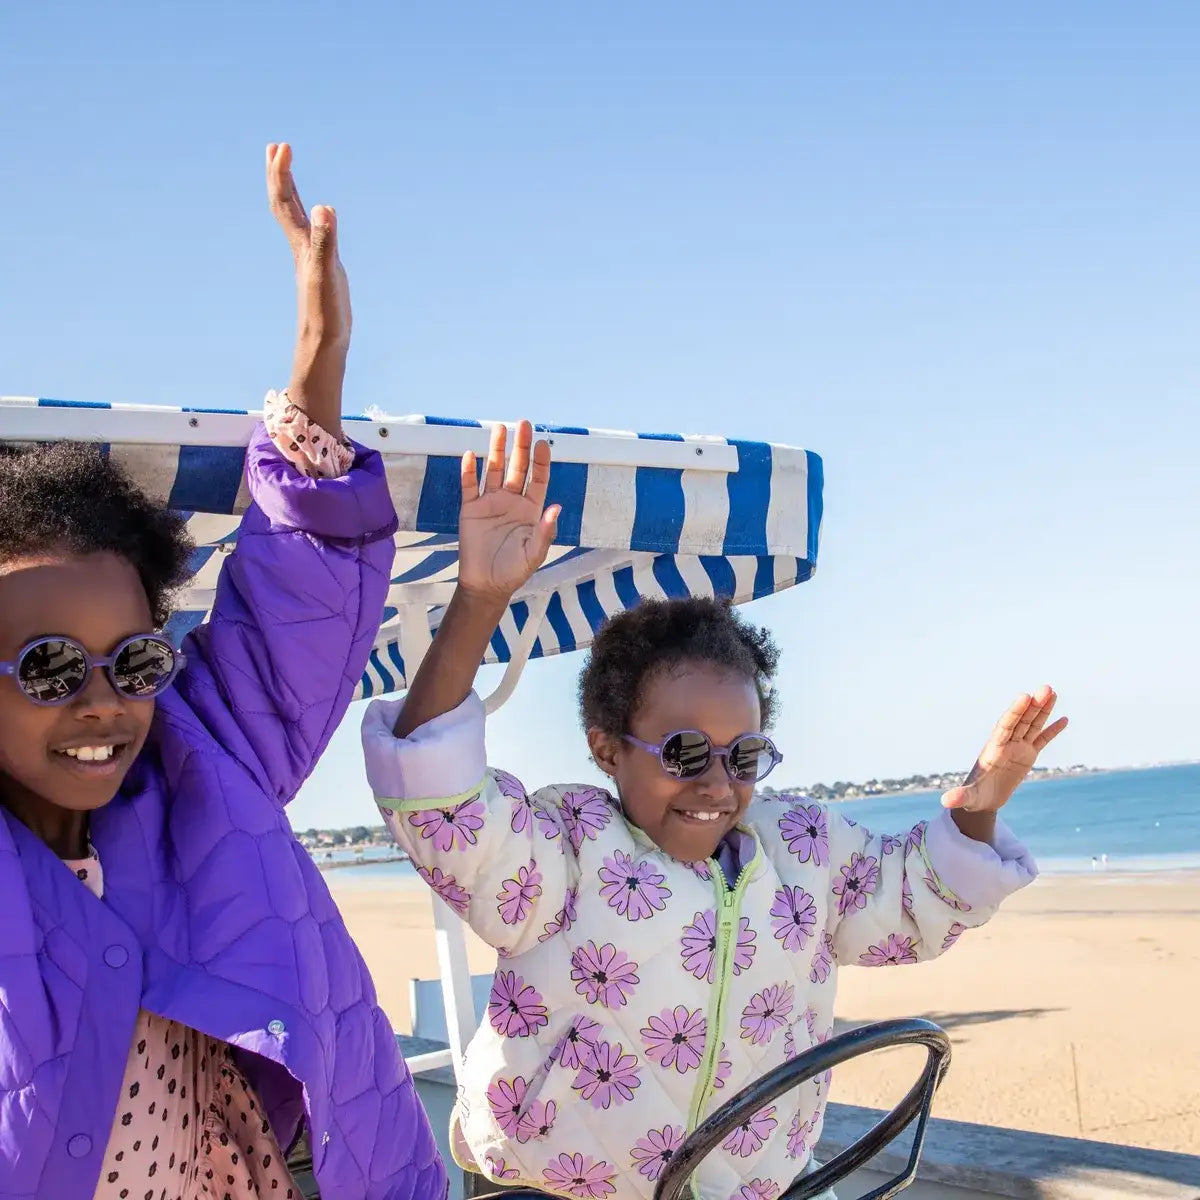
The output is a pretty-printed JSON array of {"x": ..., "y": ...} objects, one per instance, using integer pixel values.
[{"x": 634, "y": 992}]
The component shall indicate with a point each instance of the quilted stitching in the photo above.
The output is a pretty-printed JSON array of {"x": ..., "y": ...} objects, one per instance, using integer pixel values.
[{"x": 235, "y": 924}]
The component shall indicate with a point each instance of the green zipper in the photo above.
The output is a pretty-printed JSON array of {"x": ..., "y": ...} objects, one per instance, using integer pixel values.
[{"x": 729, "y": 911}]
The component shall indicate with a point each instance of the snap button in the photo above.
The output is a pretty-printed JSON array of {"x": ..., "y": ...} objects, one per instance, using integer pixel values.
[
  {"x": 324, "y": 1139},
  {"x": 277, "y": 1028},
  {"x": 79, "y": 1146},
  {"x": 116, "y": 956}
]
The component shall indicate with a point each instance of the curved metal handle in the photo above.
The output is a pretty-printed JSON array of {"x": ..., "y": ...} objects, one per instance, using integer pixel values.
[{"x": 815, "y": 1061}]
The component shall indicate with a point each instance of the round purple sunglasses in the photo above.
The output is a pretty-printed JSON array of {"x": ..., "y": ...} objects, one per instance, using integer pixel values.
[
  {"x": 54, "y": 670},
  {"x": 686, "y": 754}
]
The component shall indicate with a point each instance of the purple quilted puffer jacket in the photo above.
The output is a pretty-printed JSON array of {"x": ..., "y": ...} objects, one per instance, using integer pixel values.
[{"x": 213, "y": 915}]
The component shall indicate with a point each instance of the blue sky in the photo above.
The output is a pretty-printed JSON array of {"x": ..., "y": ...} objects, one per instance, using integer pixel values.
[{"x": 950, "y": 248}]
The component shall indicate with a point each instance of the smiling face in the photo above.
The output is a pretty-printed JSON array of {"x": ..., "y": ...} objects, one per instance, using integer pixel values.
[
  {"x": 60, "y": 762},
  {"x": 688, "y": 818}
]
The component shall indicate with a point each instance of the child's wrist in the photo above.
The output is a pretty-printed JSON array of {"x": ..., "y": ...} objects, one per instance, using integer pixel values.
[{"x": 482, "y": 606}]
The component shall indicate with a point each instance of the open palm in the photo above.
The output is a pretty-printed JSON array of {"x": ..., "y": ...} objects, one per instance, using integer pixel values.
[
  {"x": 1019, "y": 737},
  {"x": 505, "y": 531}
]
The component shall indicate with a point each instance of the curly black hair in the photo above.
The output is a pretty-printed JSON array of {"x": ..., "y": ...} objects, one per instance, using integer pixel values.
[
  {"x": 70, "y": 496},
  {"x": 659, "y": 635}
]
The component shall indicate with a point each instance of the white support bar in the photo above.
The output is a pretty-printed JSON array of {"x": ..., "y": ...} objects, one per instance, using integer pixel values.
[
  {"x": 420, "y": 1064},
  {"x": 453, "y": 967},
  {"x": 146, "y": 425},
  {"x": 519, "y": 654}
]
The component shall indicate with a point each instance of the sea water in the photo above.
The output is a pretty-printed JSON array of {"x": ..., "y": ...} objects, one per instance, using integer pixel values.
[{"x": 1114, "y": 822}]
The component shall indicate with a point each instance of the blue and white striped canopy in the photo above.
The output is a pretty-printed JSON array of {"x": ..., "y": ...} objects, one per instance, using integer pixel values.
[{"x": 642, "y": 514}]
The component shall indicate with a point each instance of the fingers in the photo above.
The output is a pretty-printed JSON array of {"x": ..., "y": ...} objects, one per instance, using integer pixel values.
[
  {"x": 470, "y": 477},
  {"x": 1012, "y": 718},
  {"x": 547, "y": 528},
  {"x": 539, "y": 476},
  {"x": 284, "y": 198},
  {"x": 518, "y": 463},
  {"x": 956, "y": 797},
  {"x": 493, "y": 475},
  {"x": 1044, "y": 704},
  {"x": 1048, "y": 735}
]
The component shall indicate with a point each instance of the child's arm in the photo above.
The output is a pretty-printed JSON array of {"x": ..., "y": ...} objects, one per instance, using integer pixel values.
[
  {"x": 299, "y": 601},
  {"x": 502, "y": 861},
  {"x": 903, "y": 899}
]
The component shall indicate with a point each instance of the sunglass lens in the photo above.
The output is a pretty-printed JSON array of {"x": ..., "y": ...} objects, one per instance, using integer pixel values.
[
  {"x": 144, "y": 667},
  {"x": 52, "y": 671},
  {"x": 750, "y": 758},
  {"x": 685, "y": 755}
]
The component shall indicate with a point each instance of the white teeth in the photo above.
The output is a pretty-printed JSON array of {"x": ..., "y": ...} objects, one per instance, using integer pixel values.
[
  {"x": 92, "y": 753},
  {"x": 704, "y": 816}
]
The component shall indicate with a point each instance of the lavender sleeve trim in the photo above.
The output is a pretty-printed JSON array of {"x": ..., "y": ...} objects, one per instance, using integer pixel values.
[
  {"x": 982, "y": 875},
  {"x": 444, "y": 757},
  {"x": 356, "y": 507}
]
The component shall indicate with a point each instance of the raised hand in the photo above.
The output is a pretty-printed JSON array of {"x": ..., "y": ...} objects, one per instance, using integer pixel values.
[
  {"x": 505, "y": 531},
  {"x": 1019, "y": 737},
  {"x": 322, "y": 294}
]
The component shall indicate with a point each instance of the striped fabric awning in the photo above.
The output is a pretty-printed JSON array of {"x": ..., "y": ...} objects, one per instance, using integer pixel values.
[{"x": 642, "y": 515}]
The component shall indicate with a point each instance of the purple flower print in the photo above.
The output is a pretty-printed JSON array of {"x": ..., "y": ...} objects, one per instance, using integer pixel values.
[
  {"x": 890, "y": 843},
  {"x": 634, "y": 889},
  {"x": 506, "y": 1099},
  {"x": 906, "y": 899},
  {"x": 822, "y": 961},
  {"x": 515, "y": 1009},
  {"x": 767, "y": 1013},
  {"x": 952, "y": 935},
  {"x": 603, "y": 974},
  {"x": 575, "y": 1046},
  {"x": 795, "y": 917},
  {"x": 522, "y": 806},
  {"x": 675, "y": 1038},
  {"x": 498, "y": 1168},
  {"x": 580, "y": 1176},
  {"x": 944, "y": 894},
  {"x": 447, "y": 887},
  {"x": 757, "y": 1189},
  {"x": 724, "y": 1068},
  {"x": 701, "y": 870},
  {"x": 752, "y": 1134},
  {"x": 651, "y": 1153},
  {"x": 517, "y": 894},
  {"x": 537, "y": 1120},
  {"x": 894, "y": 950},
  {"x": 547, "y": 822},
  {"x": 858, "y": 880},
  {"x": 450, "y": 828},
  {"x": 699, "y": 943},
  {"x": 805, "y": 828},
  {"x": 585, "y": 813},
  {"x": 915, "y": 838},
  {"x": 609, "y": 1077},
  {"x": 564, "y": 918},
  {"x": 800, "y": 1133},
  {"x": 789, "y": 1044},
  {"x": 810, "y": 1023}
]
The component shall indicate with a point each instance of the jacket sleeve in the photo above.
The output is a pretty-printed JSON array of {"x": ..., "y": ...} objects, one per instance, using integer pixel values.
[
  {"x": 904, "y": 899},
  {"x": 298, "y": 605},
  {"x": 502, "y": 859}
]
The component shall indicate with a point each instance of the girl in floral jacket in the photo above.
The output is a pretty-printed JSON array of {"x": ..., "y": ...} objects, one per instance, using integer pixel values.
[{"x": 664, "y": 943}]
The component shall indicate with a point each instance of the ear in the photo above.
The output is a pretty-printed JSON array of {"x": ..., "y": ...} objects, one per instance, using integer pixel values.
[{"x": 605, "y": 748}]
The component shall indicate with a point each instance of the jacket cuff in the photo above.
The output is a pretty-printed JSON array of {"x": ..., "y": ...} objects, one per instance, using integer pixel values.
[
  {"x": 444, "y": 757},
  {"x": 354, "y": 507},
  {"x": 982, "y": 875}
]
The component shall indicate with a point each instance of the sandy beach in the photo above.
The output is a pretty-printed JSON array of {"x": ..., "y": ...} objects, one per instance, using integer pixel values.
[{"x": 1073, "y": 1012}]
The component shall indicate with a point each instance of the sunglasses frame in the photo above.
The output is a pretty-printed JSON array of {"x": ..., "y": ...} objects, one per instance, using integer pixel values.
[
  {"x": 93, "y": 662},
  {"x": 721, "y": 752}
]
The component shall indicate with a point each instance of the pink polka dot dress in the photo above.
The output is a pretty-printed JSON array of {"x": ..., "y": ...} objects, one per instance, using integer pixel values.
[{"x": 188, "y": 1125}]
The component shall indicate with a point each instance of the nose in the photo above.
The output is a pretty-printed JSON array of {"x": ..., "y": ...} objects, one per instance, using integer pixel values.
[
  {"x": 715, "y": 783},
  {"x": 99, "y": 700}
]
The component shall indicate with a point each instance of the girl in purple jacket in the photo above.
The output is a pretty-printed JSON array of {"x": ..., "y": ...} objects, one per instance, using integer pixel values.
[{"x": 179, "y": 999}]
